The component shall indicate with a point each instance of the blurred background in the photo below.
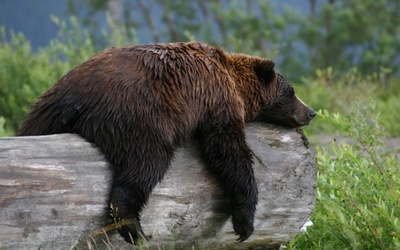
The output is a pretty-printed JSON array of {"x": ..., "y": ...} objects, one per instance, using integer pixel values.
[{"x": 342, "y": 56}]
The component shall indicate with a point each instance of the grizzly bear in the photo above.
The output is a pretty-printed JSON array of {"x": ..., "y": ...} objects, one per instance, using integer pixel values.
[{"x": 139, "y": 103}]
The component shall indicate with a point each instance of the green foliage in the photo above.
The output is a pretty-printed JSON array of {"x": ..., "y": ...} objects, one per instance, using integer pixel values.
[
  {"x": 366, "y": 36},
  {"x": 72, "y": 44},
  {"x": 337, "y": 92},
  {"x": 3, "y": 131},
  {"x": 390, "y": 114},
  {"x": 358, "y": 189},
  {"x": 341, "y": 34},
  {"x": 25, "y": 74}
]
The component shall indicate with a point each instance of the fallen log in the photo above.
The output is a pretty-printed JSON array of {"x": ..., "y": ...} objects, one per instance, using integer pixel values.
[{"x": 54, "y": 195}]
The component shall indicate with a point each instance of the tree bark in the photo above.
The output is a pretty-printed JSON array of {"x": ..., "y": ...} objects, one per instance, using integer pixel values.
[{"x": 54, "y": 195}]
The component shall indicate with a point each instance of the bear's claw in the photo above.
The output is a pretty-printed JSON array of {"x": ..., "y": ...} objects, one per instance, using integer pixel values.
[{"x": 242, "y": 220}]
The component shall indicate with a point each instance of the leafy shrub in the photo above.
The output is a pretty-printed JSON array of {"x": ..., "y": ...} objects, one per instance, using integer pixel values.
[
  {"x": 337, "y": 92},
  {"x": 358, "y": 196},
  {"x": 25, "y": 74}
]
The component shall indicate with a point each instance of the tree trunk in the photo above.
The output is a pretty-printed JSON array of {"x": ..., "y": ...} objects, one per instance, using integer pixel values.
[{"x": 54, "y": 195}]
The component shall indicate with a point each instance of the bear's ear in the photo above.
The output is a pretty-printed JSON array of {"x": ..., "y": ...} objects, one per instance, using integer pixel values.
[{"x": 264, "y": 69}]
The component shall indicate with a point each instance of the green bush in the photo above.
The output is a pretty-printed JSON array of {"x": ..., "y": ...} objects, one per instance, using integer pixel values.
[
  {"x": 338, "y": 92},
  {"x": 25, "y": 74},
  {"x": 358, "y": 195}
]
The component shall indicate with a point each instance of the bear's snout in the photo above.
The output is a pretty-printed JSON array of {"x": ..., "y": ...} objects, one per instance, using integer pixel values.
[
  {"x": 311, "y": 114},
  {"x": 304, "y": 114}
]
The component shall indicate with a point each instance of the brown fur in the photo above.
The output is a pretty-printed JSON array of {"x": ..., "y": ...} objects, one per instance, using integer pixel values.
[{"x": 139, "y": 103}]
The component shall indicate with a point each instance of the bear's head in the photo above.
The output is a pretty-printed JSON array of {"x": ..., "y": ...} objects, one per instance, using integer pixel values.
[{"x": 279, "y": 104}]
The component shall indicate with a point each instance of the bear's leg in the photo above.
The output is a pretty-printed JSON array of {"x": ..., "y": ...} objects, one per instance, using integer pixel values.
[
  {"x": 125, "y": 211},
  {"x": 133, "y": 185},
  {"x": 228, "y": 155}
]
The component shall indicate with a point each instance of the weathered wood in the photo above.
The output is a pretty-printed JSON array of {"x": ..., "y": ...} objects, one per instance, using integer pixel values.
[{"x": 54, "y": 195}]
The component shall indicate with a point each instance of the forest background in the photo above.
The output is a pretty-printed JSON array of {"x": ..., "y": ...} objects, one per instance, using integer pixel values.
[{"x": 342, "y": 56}]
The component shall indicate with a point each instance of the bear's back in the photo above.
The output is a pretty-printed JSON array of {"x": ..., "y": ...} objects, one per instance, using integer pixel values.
[{"x": 169, "y": 87}]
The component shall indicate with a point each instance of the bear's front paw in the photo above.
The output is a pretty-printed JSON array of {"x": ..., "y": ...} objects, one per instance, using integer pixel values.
[
  {"x": 131, "y": 231},
  {"x": 242, "y": 220}
]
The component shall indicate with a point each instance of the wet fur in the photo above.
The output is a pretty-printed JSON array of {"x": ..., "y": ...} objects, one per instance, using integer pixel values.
[{"x": 139, "y": 103}]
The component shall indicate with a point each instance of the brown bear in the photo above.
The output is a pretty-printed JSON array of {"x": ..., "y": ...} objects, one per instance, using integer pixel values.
[{"x": 139, "y": 103}]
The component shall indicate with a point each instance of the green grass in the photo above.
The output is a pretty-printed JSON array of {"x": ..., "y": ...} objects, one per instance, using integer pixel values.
[{"x": 358, "y": 196}]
